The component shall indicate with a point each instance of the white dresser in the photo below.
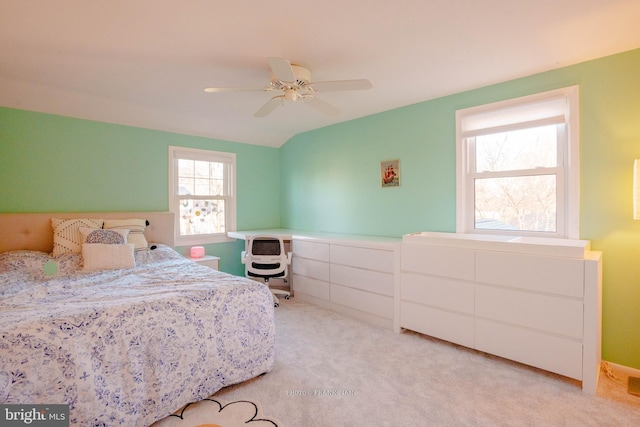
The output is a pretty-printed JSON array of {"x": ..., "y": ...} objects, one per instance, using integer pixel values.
[
  {"x": 349, "y": 275},
  {"x": 538, "y": 304},
  {"x": 509, "y": 300},
  {"x": 312, "y": 271}
]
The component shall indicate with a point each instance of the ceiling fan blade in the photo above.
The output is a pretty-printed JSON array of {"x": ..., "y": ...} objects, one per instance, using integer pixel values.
[
  {"x": 337, "y": 85},
  {"x": 281, "y": 69},
  {"x": 321, "y": 106},
  {"x": 232, "y": 89},
  {"x": 269, "y": 106}
]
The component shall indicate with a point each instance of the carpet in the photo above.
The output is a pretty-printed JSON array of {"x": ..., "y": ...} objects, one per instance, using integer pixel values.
[
  {"x": 333, "y": 370},
  {"x": 216, "y": 413}
]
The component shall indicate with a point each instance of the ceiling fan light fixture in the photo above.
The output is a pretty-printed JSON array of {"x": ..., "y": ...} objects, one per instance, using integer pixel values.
[
  {"x": 290, "y": 94},
  {"x": 294, "y": 83}
]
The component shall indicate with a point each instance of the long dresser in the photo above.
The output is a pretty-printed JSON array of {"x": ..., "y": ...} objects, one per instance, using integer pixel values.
[
  {"x": 532, "y": 303},
  {"x": 523, "y": 302},
  {"x": 349, "y": 274}
]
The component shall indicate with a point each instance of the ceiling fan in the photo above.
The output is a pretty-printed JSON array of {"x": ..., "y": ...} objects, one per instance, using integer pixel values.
[{"x": 294, "y": 81}]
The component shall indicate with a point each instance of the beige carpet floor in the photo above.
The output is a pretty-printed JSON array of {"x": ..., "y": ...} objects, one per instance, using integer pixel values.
[{"x": 332, "y": 370}]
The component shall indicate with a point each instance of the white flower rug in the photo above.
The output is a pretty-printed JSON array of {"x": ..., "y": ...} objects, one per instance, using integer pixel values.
[{"x": 216, "y": 413}]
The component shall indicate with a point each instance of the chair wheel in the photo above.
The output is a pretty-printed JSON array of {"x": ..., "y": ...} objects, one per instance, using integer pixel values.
[
  {"x": 276, "y": 305},
  {"x": 287, "y": 297}
]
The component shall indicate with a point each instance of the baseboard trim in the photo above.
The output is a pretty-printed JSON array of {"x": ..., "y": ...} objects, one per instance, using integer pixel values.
[{"x": 621, "y": 370}]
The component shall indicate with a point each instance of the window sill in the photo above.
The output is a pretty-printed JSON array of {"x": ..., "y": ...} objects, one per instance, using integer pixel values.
[{"x": 202, "y": 240}]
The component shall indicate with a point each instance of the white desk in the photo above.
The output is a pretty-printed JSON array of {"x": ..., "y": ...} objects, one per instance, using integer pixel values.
[
  {"x": 280, "y": 232},
  {"x": 379, "y": 242}
]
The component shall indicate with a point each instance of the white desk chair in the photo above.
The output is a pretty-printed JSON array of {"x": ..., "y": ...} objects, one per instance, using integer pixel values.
[{"x": 265, "y": 258}]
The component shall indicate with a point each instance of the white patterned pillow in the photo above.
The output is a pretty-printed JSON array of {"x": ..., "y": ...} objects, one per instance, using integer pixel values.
[
  {"x": 136, "y": 230},
  {"x": 99, "y": 235},
  {"x": 100, "y": 256},
  {"x": 66, "y": 234}
]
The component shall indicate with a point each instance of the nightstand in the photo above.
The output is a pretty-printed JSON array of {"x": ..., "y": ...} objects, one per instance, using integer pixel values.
[{"x": 207, "y": 260}]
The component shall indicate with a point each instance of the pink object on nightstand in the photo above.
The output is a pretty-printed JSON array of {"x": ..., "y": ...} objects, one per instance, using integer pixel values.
[{"x": 196, "y": 252}]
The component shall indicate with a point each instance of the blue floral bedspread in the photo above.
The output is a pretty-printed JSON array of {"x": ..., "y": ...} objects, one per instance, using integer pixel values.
[{"x": 128, "y": 347}]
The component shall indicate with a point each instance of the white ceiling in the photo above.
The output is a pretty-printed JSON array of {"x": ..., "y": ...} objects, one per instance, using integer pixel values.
[{"x": 145, "y": 62}]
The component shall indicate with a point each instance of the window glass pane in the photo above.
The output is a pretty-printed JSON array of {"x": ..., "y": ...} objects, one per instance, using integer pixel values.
[
  {"x": 185, "y": 186},
  {"x": 201, "y": 216},
  {"x": 201, "y": 169},
  {"x": 200, "y": 178},
  {"x": 216, "y": 182},
  {"x": 518, "y": 149},
  {"x": 185, "y": 177},
  {"x": 526, "y": 203},
  {"x": 185, "y": 167},
  {"x": 202, "y": 187}
]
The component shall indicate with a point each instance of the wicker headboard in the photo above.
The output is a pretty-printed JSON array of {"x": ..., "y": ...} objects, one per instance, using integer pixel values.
[{"x": 33, "y": 230}]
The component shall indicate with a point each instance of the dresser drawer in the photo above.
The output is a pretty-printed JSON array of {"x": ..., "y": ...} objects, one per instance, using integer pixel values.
[
  {"x": 544, "y": 351},
  {"x": 371, "y": 259},
  {"x": 546, "y": 313},
  {"x": 562, "y": 276},
  {"x": 312, "y": 250},
  {"x": 456, "y": 328},
  {"x": 438, "y": 292},
  {"x": 368, "y": 302},
  {"x": 311, "y": 268},
  {"x": 366, "y": 280},
  {"x": 444, "y": 261},
  {"x": 313, "y": 287}
]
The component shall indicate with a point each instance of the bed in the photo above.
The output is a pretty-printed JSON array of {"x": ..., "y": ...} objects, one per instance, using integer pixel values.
[{"x": 122, "y": 346}]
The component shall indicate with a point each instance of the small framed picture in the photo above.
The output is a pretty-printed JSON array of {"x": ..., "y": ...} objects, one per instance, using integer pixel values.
[{"x": 390, "y": 173}]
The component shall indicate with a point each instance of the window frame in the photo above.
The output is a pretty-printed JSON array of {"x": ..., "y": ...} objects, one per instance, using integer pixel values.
[
  {"x": 567, "y": 171},
  {"x": 229, "y": 159}
]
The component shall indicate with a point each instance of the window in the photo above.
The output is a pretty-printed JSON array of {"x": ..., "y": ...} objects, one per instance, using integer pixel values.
[
  {"x": 517, "y": 166},
  {"x": 202, "y": 194}
]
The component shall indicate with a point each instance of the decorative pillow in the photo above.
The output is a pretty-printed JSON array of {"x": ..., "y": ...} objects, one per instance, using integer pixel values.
[
  {"x": 66, "y": 234},
  {"x": 99, "y": 235},
  {"x": 136, "y": 230},
  {"x": 99, "y": 256}
]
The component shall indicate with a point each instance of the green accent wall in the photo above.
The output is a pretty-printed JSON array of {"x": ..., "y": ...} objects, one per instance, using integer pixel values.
[
  {"x": 328, "y": 179},
  {"x": 50, "y": 163},
  {"x": 330, "y": 176}
]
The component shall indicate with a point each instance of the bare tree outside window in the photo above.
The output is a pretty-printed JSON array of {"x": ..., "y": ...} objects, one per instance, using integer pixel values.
[
  {"x": 515, "y": 184},
  {"x": 518, "y": 166}
]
